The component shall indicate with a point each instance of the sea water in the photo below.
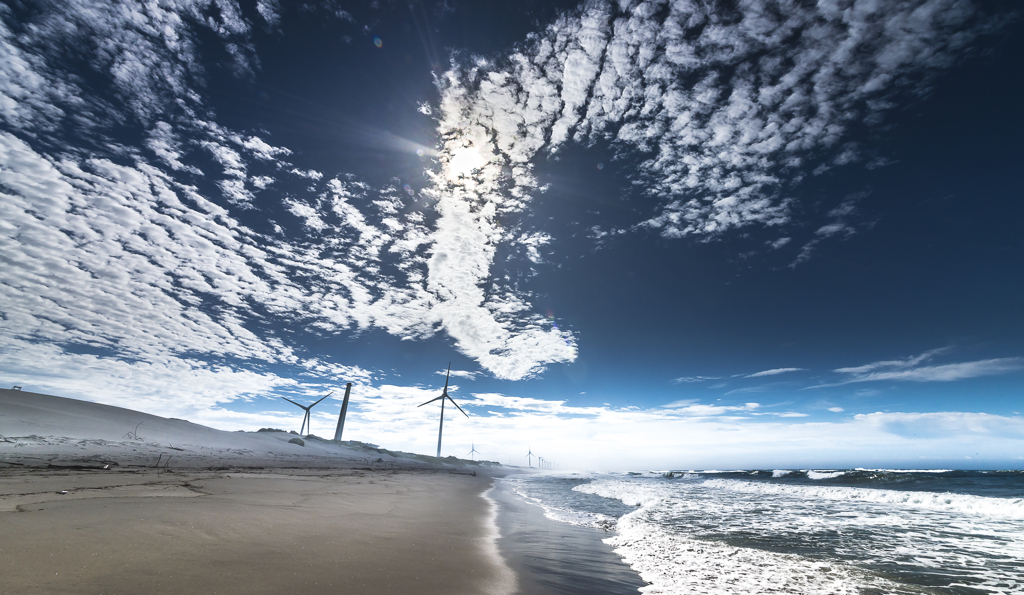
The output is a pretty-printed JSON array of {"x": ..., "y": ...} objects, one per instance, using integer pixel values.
[{"x": 801, "y": 531}]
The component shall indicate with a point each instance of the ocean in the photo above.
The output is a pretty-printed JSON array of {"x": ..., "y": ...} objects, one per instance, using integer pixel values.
[{"x": 859, "y": 531}]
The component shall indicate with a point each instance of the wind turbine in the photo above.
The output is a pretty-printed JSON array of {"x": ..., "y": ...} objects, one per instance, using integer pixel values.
[
  {"x": 444, "y": 395},
  {"x": 529, "y": 461},
  {"x": 540, "y": 462},
  {"x": 305, "y": 418},
  {"x": 473, "y": 451}
]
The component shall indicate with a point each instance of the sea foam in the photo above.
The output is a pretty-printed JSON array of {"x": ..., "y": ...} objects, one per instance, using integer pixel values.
[
  {"x": 675, "y": 564},
  {"x": 701, "y": 535},
  {"x": 1008, "y": 508}
]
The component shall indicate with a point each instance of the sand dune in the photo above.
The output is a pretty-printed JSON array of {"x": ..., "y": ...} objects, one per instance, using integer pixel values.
[{"x": 48, "y": 431}]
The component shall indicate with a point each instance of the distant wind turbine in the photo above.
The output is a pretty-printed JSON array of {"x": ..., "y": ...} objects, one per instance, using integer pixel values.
[
  {"x": 444, "y": 395},
  {"x": 474, "y": 451},
  {"x": 529, "y": 460},
  {"x": 306, "y": 421}
]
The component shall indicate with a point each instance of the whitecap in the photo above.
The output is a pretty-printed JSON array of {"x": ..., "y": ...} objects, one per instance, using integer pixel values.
[
  {"x": 824, "y": 474},
  {"x": 1008, "y": 508}
]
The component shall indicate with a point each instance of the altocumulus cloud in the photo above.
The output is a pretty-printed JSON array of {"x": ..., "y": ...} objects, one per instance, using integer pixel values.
[
  {"x": 727, "y": 106},
  {"x": 727, "y": 103},
  {"x": 125, "y": 250}
]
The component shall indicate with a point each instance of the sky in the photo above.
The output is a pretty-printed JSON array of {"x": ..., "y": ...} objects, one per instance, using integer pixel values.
[{"x": 644, "y": 235}]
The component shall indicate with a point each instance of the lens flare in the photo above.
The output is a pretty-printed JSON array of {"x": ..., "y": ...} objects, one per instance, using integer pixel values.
[{"x": 377, "y": 42}]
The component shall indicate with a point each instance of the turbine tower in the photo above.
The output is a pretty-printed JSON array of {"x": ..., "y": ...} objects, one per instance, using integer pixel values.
[
  {"x": 341, "y": 416},
  {"x": 529, "y": 461},
  {"x": 305, "y": 418},
  {"x": 474, "y": 451},
  {"x": 444, "y": 395}
]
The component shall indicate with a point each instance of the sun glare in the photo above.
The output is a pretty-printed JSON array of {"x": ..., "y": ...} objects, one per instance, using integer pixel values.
[{"x": 464, "y": 162}]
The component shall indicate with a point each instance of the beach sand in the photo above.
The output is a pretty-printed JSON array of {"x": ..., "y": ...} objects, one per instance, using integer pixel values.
[{"x": 207, "y": 532}]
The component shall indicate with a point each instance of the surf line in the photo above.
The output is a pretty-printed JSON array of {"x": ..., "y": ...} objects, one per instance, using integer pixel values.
[{"x": 505, "y": 581}]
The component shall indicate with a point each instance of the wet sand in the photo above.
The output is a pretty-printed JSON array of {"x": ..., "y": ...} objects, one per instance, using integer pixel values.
[
  {"x": 553, "y": 558},
  {"x": 302, "y": 531}
]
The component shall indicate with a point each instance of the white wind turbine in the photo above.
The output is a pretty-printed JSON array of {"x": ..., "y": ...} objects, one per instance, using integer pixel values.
[
  {"x": 472, "y": 452},
  {"x": 306, "y": 421},
  {"x": 444, "y": 395},
  {"x": 529, "y": 460}
]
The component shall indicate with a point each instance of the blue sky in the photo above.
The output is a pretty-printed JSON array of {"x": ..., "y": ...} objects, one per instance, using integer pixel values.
[{"x": 664, "y": 234}]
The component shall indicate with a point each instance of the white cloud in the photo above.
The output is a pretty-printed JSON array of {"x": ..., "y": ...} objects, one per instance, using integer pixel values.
[
  {"x": 912, "y": 369},
  {"x": 836, "y": 409},
  {"x": 690, "y": 379},
  {"x": 169, "y": 386},
  {"x": 946, "y": 372},
  {"x": 941, "y": 424},
  {"x": 692, "y": 408},
  {"x": 149, "y": 51},
  {"x": 459, "y": 374},
  {"x": 165, "y": 144},
  {"x": 270, "y": 10},
  {"x": 107, "y": 255},
  {"x": 842, "y": 216},
  {"x": 264, "y": 151},
  {"x": 311, "y": 174},
  {"x": 773, "y": 372}
]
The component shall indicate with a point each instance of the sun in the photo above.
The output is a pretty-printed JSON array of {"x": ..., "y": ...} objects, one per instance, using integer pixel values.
[{"x": 464, "y": 161}]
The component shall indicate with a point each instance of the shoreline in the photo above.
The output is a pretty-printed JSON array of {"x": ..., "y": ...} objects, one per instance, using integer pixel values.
[{"x": 554, "y": 558}]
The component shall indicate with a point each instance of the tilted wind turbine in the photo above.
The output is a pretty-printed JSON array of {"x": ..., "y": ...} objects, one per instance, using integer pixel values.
[
  {"x": 306, "y": 421},
  {"x": 444, "y": 395}
]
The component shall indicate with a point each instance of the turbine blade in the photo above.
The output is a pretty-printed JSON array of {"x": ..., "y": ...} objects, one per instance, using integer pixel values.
[
  {"x": 457, "y": 405},
  {"x": 322, "y": 398},
  {"x": 432, "y": 400},
  {"x": 293, "y": 402},
  {"x": 445, "y": 391}
]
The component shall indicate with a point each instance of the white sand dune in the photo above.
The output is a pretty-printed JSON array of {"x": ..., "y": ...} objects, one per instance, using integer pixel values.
[{"x": 44, "y": 430}]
